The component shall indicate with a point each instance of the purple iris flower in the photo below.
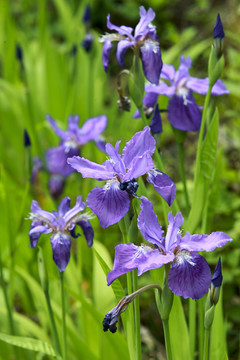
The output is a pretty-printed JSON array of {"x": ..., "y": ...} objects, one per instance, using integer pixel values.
[
  {"x": 183, "y": 112},
  {"x": 111, "y": 202},
  {"x": 144, "y": 38},
  {"x": 61, "y": 224},
  {"x": 71, "y": 141},
  {"x": 190, "y": 275}
]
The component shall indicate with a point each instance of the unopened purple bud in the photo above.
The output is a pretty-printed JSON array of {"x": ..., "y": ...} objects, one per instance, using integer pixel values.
[
  {"x": 56, "y": 185},
  {"x": 27, "y": 141},
  {"x": 19, "y": 52},
  {"x": 73, "y": 51},
  {"x": 156, "y": 122},
  {"x": 86, "y": 19},
  {"x": 87, "y": 42},
  {"x": 217, "y": 275},
  {"x": 218, "y": 32},
  {"x": 111, "y": 318}
]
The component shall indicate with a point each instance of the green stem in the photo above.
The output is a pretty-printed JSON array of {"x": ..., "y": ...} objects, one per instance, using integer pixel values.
[
  {"x": 192, "y": 326},
  {"x": 201, "y": 326},
  {"x": 183, "y": 176},
  {"x": 137, "y": 317},
  {"x": 64, "y": 337},
  {"x": 54, "y": 328},
  {"x": 90, "y": 86},
  {"x": 206, "y": 344},
  {"x": 167, "y": 339},
  {"x": 143, "y": 116}
]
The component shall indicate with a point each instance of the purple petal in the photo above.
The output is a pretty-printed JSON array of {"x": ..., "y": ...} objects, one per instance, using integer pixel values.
[
  {"x": 217, "y": 277},
  {"x": 183, "y": 70},
  {"x": 87, "y": 230},
  {"x": 61, "y": 244},
  {"x": 40, "y": 214},
  {"x": 156, "y": 122},
  {"x": 151, "y": 61},
  {"x": 64, "y": 206},
  {"x": 149, "y": 225},
  {"x": 101, "y": 144},
  {"x": 36, "y": 230},
  {"x": 122, "y": 47},
  {"x": 62, "y": 134},
  {"x": 73, "y": 121},
  {"x": 145, "y": 18},
  {"x": 56, "y": 160},
  {"x": 163, "y": 184},
  {"x": 107, "y": 47},
  {"x": 218, "y": 32},
  {"x": 204, "y": 242},
  {"x": 89, "y": 169},
  {"x": 149, "y": 101},
  {"x": 109, "y": 203},
  {"x": 56, "y": 185},
  {"x": 91, "y": 129},
  {"x": 117, "y": 162},
  {"x": 123, "y": 30},
  {"x": 161, "y": 89},
  {"x": 168, "y": 72},
  {"x": 200, "y": 86},
  {"x": 139, "y": 167},
  {"x": 142, "y": 142},
  {"x": 69, "y": 216},
  {"x": 219, "y": 88},
  {"x": 183, "y": 113},
  {"x": 172, "y": 238},
  {"x": 190, "y": 276}
]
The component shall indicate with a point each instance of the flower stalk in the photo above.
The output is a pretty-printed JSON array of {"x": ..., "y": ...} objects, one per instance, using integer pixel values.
[{"x": 64, "y": 330}]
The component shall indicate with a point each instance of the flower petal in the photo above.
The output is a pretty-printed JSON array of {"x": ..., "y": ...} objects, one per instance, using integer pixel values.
[
  {"x": 107, "y": 47},
  {"x": 73, "y": 121},
  {"x": 149, "y": 225},
  {"x": 172, "y": 238},
  {"x": 190, "y": 276},
  {"x": 87, "y": 230},
  {"x": 123, "y": 30},
  {"x": 70, "y": 215},
  {"x": 56, "y": 185},
  {"x": 139, "y": 166},
  {"x": 90, "y": 169},
  {"x": 163, "y": 184},
  {"x": 109, "y": 203},
  {"x": 168, "y": 72},
  {"x": 122, "y": 47},
  {"x": 64, "y": 206},
  {"x": 91, "y": 129},
  {"x": 56, "y": 160},
  {"x": 36, "y": 230},
  {"x": 156, "y": 121},
  {"x": 200, "y": 86},
  {"x": 149, "y": 101},
  {"x": 41, "y": 215},
  {"x": 61, "y": 244},
  {"x": 183, "y": 70},
  {"x": 204, "y": 242},
  {"x": 161, "y": 89},
  {"x": 145, "y": 18},
  {"x": 142, "y": 142},
  {"x": 183, "y": 113},
  {"x": 62, "y": 134},
  {"x": 151, "y": 60}
]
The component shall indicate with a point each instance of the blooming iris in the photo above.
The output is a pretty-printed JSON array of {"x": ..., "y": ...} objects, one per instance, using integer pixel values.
[
  {"x": 111, "y": 202},
  {"x": 183, "y": 112},
  {"x": 144, "y": 38},
  {"x": 190, "y": 275},
  {"x": 61, "y": 224},
  {"x": 71, "y": 141}
]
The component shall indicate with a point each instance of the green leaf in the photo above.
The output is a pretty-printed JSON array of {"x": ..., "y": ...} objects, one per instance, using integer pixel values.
[
  {"x": 218, "y": 347},
  {"x": 29, "y": 343}
]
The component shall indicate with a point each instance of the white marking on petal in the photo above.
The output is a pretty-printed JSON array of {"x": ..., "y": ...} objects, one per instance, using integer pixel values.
[{"x": 182, "y": 256}]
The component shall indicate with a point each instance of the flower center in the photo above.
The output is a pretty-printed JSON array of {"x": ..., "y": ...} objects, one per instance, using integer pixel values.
[{"x": 130, "y": 186}]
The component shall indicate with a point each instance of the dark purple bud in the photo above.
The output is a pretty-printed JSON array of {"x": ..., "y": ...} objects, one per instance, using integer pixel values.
[
  {"x": 218, "y": 32},
  {"x": 87, "y": 231},
  {"x": 73, "y": 50},
  {"x": 111, "y": 318},
  {"x": 86, "y": 19},
  {"x": 19, "y": 53},
  {"x": 217, "y": 277},
  {"x": 27, "y": 141},
  {"x": 130, "y": 186},
  {"x": 56, "y": 185},
  {"x": 156, "y": 122},
  {"x": 87, "y": 42}
]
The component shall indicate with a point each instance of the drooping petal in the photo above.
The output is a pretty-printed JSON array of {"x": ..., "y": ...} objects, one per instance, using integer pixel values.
[
  {"x": 91, "y": 129},
  {"x": 183, "y": 113},
  {"x": 200, "y": 86},
  {"x": 204, "y": 242},
  {"x": 161, "y": 89},
  {"x": 62, "y": 134},
  {"x": 174, "y": 224},
  {"x": 123, "y": 30},
  {"x": 139, "y": 166},
  {"x": 70, "y": 217},
  {"x": 122, "y": 47},
  {"x": 168, "y": 72},
  {"x": 156, "y": 121},
  {"x": 107, "y": 47},
  {"x": 190, "y": 276},
  {"x": 148, "y": 223},
  {"x": 36, "y": 230},
  {"x": 87, "y": 229},
  {"x": 142, "y": 142},
  {"x": 145, "y": 18},
  {"x": 56, "y": 160},
  {"x": 163, "y": 184},
  {"x": 61, "y": 244},
  {"x": 129, "y": 257},
  {"x": 41, "y": 215},
  {"x": 149, "y": 101},
  {"x": 151, "y": 60},
  {"x": 90, "y": 169},
  {"x": 109, "y": 203}
]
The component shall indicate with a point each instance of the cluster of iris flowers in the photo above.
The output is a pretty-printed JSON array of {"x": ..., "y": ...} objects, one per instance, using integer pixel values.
[{"x": 189, "y": 275}]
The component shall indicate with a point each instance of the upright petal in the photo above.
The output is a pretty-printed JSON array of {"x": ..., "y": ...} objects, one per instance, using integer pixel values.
[
  {"x": 142, "y": 142},
  {"x": 71, "y": 216},
  {"x": 163, "y": 184},
  {"x": 183, "y": 70},
  {"x": 200, "y": 86},
  {"x": 87, "y": 229},
  {"x": 145, "y": 18},
  {"x": 41, "y": 215},
  {"x": 107, "y": 47},
  {"x": 123, "y": 30},
  {"x": 168, "y": 72},
  {"x": 90, "y": 169},
  {"x": 56, "y": 160},
  {"x": 91, "y": 129},
  {"x": 204, "y": 242},
  {"x": 149, "y": 225},
  {"x": 117, "y": 162},
  {"x": 122, "y": 47},
  {"x": 62, "y": 134},
  {"x": 109, "y": 203},
  {"x": 61, "y": 244},
  {"x": 174, "y": 224},
  {"x": 190, "y": 276},
  {"x": 73, "y": 121},
  {"x": 156, "y": 121},
  {"x": 64, "y": 206},
  {"x": 151, "y": 60},
  {"x": 183, "y": 113},
  {"x": 139, "y": 166}
]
